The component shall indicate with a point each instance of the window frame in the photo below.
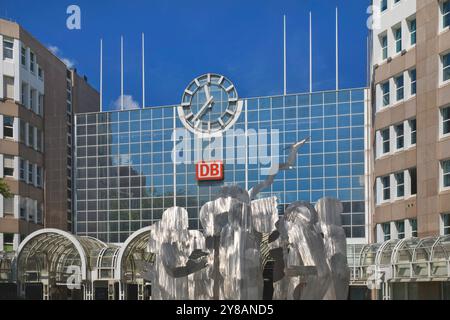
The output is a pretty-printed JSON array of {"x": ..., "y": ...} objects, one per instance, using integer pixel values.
[
  {"x": 400, "y": 186},
  {"x": 8, "y": 128},
  {"x": 8, "y": 169},
  {"x": 385, "y": 142},
  {"x": 413, "y": 81},
  {"x": 22, "y": 169},
  {"x": 413, "y": 130},
  {"x": 399, "y": 137},
  {"x": 414, "y": 228},
  {"x": 32, "y": 62},
  {"x": 23, "y": 56},
  {"x": 445, "y": 69},
  {"x": 30, "y": 178},
  {"x": 384, "y": 44},
  {"x": 400, "y": 235},
  {"x": 444, "y": 174},
  {"x": 445, "y": 228},
  {"x": 7, "y": 49},
  {"x": 386, "y": 95},
  {"x": 387, "y": 234},
  {"x": 412, "y": 31},
  {"x": 399, "y": 90},
  {"x": 398, "y": 40},
  {"x": 444, "y": 15},
  {"x": 386, "y": 188},
  {"x": 444, "y": 122},
  {"x": 384, "y": 6}
]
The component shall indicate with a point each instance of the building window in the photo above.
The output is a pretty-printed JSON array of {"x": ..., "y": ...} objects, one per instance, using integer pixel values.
[
  {"x": 8, "y": 206},
  {"x": 31, "y": 136},
  {"x": 38, "y": 176},
  {"x": 446, "y": 14},
  {"x": 413, "y": 177},
  {"x": 8, "y": 48},
  {"x": 41, "y": 105},
  {"x": 23, "y": 56},
  {"x": 32, "y": 61},
  {"x": 384, "y": 47},
  {"x": 413, "y": 126},
  {"x": 386, "y": 141},
  {"x": 8, "y": 87},
  {"x": 387, "y": 231},
  {"x": 386, "y": 93},
  {"x": 40, "y": 73},
  {"x": 30, "y": 173},
  {"x": 24, "y": 95},
  {"x": 32, "y": 99},
  {"x": 413, "y": 223},
  {"x": 22, "y": 131},
  {"x": 413, "y": 75},
  {"x": 38, "y": 140},
  {"x": 22, "y": 169},
  {"x": 400, "y": 180},
  {"x": 8, "y": 127},
  {"x": 398, "y": 39},
  {"x": 445, "y": 112},
  {"x": 8, "y": 242},
  {"x": 413, "y": 31},
  {"x": 8, "y": 166},
  {"x": 386, "y": 182},
  {"x": 23, "y": 209},
  {"x": 446, "y": 224},
  {"x": 400, "y": 136},
  {"x": 384, "y": 5},
  {"x": 446, "y": 67},
  {"x": 446, "y": 174},
  {"x": 400, "y": 85},
  {"x": 400, "y": 226}
]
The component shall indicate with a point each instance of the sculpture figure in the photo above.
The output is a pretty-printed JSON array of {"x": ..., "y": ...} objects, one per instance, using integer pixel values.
[
  {"x": 307, "y": 245},
  {"x": 330, "y": 211}
]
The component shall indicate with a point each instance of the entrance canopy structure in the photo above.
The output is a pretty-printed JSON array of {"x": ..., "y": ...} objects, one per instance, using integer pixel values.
[
  {"x": 54, "y": 257},
  {"x": 403, "y": 260}
]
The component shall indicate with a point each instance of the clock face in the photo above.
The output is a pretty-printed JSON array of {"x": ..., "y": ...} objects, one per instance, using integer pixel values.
[{"x": 209, "y": 105}]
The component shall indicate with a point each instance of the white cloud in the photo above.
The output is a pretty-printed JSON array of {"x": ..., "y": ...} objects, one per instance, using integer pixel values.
[
  {"x": 128, "y": 103},
  {"x": 70, "y": 63},
  {"x": 53, "y": 49}
]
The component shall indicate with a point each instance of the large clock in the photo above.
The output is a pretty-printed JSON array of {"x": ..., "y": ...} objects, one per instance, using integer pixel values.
[{"x": 210, "y": 105}]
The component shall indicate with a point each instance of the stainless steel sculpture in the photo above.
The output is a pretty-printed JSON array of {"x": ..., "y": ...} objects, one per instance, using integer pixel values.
[{"x": 307, "y": 246}]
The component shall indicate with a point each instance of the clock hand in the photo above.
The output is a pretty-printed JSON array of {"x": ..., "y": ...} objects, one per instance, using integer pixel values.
[
  {"x": 207, "y": 92},
  {"x": 203, "y": 109}
]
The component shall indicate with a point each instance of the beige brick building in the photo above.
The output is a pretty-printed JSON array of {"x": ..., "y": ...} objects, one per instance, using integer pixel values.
[{"x": 38, "y": 98}]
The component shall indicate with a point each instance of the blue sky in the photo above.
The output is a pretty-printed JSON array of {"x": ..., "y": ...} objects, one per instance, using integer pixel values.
[{"x": 241, "y": 39}]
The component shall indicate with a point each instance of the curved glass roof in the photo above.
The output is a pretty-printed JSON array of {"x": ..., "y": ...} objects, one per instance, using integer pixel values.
[
  {"x": 132, "y": 256},
  {"x": 50, "y": 253},
  {"x": 412, "y": 258}
]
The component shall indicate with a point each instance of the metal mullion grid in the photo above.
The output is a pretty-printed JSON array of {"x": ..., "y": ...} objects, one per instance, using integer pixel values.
[
  {"x": 310, "y": 148},
  {"x": 324, "y": 187},
  {"x": 152, "y": 219},
  {"x": 351, "y": 162},
  {"x": 108, "y": 154}
]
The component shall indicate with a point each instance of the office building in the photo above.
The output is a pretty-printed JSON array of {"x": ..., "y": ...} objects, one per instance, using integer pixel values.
[
  {"x": 39, "y": 96},
  {"x": 411, "y": 148}
]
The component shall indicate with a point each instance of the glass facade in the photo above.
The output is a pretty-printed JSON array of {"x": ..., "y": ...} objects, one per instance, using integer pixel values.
[{"x": 125, "y": 175}]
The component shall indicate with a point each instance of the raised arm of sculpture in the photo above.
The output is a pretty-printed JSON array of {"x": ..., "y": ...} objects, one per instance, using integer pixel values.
[
  {"x": 292, "y": 157},
  {"x": 170, "y": 253}
]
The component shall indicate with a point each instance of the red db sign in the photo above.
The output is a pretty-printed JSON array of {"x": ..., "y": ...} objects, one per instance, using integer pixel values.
[{"x": 209, "y": 171}]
